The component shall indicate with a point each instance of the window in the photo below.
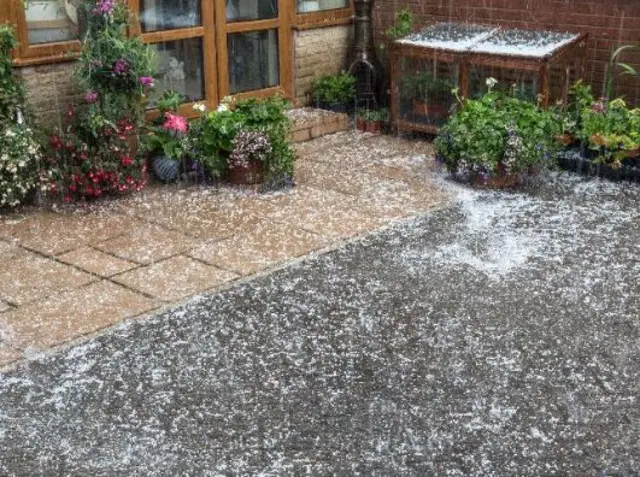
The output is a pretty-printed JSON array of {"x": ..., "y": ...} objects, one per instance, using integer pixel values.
[
  {"x": 45, "y": 28},
  {"x": 253, "y": 60}
]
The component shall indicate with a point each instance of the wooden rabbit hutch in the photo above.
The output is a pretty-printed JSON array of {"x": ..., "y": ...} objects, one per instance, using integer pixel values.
[{"x": 426, "y": 67}]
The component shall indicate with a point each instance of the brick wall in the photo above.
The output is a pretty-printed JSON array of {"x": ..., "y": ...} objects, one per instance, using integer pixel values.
[
  {"x": 50, "y": 89},
  {"x": 318, "y": 52},
  {"x": 609, "y": 23}
]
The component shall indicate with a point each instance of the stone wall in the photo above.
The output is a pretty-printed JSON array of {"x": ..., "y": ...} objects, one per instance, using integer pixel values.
[
  {"x": 318, "y": 52},
  {"x": 50, "y": 89},
  {"x": 609, "y": 23}
]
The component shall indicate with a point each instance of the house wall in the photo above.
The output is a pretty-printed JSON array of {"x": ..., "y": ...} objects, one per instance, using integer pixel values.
[
  {"x": 318, "y": 52},
  {"x": 609, "y": 23},
  {"x": 51, "y": 87}
]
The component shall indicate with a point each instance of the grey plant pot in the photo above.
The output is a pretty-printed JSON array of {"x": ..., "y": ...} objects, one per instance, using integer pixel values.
[{"x": 166, "y": 169}]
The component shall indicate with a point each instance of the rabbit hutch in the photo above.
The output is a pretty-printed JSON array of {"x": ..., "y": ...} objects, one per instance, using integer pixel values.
[{"x": 428, "y": 65}]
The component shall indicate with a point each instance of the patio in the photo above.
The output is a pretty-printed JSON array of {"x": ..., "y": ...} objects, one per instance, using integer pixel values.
[
  {"x": 495, "y": 335},
  {"x": 72, "y": 273}
]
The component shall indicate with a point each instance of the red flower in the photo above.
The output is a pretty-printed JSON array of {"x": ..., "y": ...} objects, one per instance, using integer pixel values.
[
  {"x": 126, "y": 161},
  {"x": 173, "y": 122}
]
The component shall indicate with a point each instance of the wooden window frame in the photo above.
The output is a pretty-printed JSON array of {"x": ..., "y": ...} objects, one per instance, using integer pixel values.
[
  {"x": 323, "y": 18},
  {"x": 204, "y": 31},
  {"x": 27, "y": 54}
]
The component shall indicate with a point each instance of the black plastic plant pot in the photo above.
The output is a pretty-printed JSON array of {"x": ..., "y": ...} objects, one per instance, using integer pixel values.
[{"x": 338, "y": 108}]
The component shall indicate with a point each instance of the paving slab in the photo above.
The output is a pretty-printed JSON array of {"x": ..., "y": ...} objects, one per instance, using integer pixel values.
[
  {"x": 97, "y": 262},
  {"x": 68, "y": 315},
  {"x": 496, "y": 336},
  {"x": 175, "y": 278},
  {"x": 30, "y": 277},
  {"x": 269, "y": 244}
]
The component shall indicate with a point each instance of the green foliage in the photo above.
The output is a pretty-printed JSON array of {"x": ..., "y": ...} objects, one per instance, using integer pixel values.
[
  {"x": 402, "y": 26},
  {"x": 113, "y": 65},
  {"x": 19, "y": 151},
  {"x": 374, "y": 115},
  {"x": 611, "y": 129},
  {"x": 335, "y": 89},
  {"x": 161, "y": 137},
  {"x": 497, "y": 134},
  {"x": 423, "y": 85},
  {"x": 212, "y": 136},
  {"x": 616, "y": 68},
  {"x": 11, "y": 90}
]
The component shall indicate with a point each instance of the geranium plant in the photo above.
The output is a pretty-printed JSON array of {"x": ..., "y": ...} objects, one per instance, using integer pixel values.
[
  {"x": 166, "y": 134},
  {"x": 497, "y": 135}
]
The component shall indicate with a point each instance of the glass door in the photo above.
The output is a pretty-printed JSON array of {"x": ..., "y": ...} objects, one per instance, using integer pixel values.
[{"x": 253, "y": 45}]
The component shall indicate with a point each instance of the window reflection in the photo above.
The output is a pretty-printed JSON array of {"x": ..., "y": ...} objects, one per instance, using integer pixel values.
[
  {"x": 253, "y": 60},
  {"x": 50, "y": 21},
  {"x": 244, "y": 10},
  {"x": 169, "y": 14},
  {"x": 306, "y": 6}
]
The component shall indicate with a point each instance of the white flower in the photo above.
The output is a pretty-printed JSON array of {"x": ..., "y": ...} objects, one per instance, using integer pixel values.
[
  {"x": 223, "y": 107},
  {"x": 491, "y": 82},
  {"x": 199, "y": 107}
]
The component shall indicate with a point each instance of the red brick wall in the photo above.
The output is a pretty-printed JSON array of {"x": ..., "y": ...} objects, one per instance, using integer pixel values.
[{"x": 609, "y": 23}]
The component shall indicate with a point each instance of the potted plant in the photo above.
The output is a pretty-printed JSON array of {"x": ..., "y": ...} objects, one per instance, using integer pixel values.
[
  {"x": 246, "y": 162},
  {"x": 426, "y": 95},
  {"x": 372, "y": 120},
  {"x": 495, "y": 140},
  {"x": 165, "y": 141},
  {"x": 334, "y": 92}
]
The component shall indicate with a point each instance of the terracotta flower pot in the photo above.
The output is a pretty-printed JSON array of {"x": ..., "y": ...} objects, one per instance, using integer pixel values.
[
  {"x": 565, "y": 139},
  {"x": 633, "y": 153},
  {"x": 361, "y": 124},
  {"x": 436, "y": 110},
  {"x": 501, "y": 180},
  {"x": 374, "y": 127},
  {"x": 247, "y": 175}
]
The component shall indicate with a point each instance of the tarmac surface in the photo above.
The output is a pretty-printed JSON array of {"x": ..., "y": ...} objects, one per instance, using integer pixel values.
[{"x": 495, "y": 336}]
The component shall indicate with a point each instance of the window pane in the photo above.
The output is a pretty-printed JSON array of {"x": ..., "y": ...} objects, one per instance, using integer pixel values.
[
  {"x": 179, "y": 69},
  {"x": 253, "y": 60},
  {"x": 169, "y": 14},
  {"x": 50, "y": 21},
  {"x": 243, "y": 10},
  {"x": 305, "y": 6}
]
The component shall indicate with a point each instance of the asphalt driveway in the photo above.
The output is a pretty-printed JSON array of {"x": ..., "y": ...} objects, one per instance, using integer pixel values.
[{"x": 496, "y": 336}]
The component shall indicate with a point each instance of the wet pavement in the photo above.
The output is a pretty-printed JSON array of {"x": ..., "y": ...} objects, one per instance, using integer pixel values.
[{"x": 494, "y": 336}]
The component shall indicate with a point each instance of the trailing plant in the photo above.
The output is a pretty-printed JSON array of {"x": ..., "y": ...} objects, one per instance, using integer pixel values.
[
  {"x": 334, "y": 90},
  {"x": 497, "y": 134},
  {"x": 114, "y": 69},
  {"x": 248, "y": 147},
  {"x": 95, "y": 153}
]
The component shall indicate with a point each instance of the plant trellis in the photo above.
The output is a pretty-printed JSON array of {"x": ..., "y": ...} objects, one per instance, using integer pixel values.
[{"x": 427, "y": 65}]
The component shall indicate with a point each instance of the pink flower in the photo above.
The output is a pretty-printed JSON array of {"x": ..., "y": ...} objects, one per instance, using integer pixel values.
[
  {"x": 121, "y": 67},
  {"x": 104, "y": 7},
  {"x": 91, "y": 97},
  {"x": 146, "y": 81},
  {"x": 598, "y": 107},
  {"x": 173, "y": 122}
]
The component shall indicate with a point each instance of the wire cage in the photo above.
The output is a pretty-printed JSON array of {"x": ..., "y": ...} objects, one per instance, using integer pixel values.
[{"x": 426, "y": 67}]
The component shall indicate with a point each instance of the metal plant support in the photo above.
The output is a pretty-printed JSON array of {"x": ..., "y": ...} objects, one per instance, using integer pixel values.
[{"x": 365, "y": 65}]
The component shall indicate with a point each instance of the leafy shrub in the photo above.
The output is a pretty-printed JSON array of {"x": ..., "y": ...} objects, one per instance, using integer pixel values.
[
  {"x": 212, "y": 136},
  {"x": 19, "y": 151},
  {"x": 95, "y": 154},
  {"x": 497, "y": 134},
  {"x": 334, "y": 90},
  {"x": 611, "y": 129}
]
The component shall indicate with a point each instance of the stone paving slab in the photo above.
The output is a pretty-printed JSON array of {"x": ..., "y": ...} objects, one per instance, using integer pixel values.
[
  {"x": 30, "y": 276},
  {"x": 173, "y": 241},
  {"x": 97, "y": 262},
  {"x": 175, "y": 278},
  {"x": 74, "y": 313},
  {"x": 268, "y": 244}
]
